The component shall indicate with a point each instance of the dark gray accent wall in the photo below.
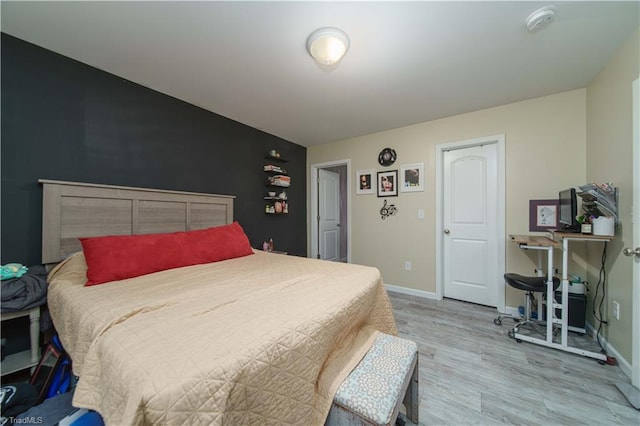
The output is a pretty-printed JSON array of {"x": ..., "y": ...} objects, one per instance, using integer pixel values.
[{"x": 65, "y": 120}]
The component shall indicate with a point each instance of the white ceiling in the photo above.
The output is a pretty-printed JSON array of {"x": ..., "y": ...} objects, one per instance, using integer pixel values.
[{"x": 409, "y": 62}]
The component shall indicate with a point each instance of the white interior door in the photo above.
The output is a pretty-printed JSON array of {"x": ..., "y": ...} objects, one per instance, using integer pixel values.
[
  {"x": 635, "y": 349},
  {"x": 470, "y": 212},
  {"x": 329, "y": 215}
]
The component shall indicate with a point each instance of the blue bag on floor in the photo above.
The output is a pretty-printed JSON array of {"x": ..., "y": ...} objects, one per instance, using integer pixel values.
[
  {"x": 52, "y": 375},
  {"x": 59, "y": 411}
]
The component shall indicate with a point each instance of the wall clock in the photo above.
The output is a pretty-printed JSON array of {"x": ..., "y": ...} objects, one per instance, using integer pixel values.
[{"x": 387, "y": 157}]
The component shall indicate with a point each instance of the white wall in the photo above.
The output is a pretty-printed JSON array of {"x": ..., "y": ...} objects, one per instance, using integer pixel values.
[
  {"x": 609, "y": 159},
  {"x": 545, "y": 152},
  {"x": 552, "y": 143}
]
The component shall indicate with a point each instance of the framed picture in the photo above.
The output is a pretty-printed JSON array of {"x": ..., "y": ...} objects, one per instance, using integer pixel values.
[
  {"x": 388, "y": 183},
  {"x": 543, "y": 215},
  {"x": 412, "y": 177},
  {"x": 364, "y": 182}
]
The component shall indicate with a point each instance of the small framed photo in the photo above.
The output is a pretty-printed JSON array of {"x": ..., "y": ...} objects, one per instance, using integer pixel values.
[
  {"x": 543, "y": 215},
  {"x": 388, "y": 183},
  {"x": 412, "y": 177},
  {"x": 364, "y": 179}
]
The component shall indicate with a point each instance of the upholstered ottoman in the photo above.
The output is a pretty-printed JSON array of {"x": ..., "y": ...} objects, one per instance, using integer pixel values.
[{"x": 372, "y": 393}]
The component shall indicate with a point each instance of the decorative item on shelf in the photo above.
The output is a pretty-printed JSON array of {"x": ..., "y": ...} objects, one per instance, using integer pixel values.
[
  {"x": 274, "y": 169},
  {"x": 387, "y": 210},
  {"x": 272, "y": 195},
  {"x": 278, "y": 207},
  {"x": 387, "y": 157},
  {"x": 279, "y": 180},
  {"x": 585, "y": 223},
  {"x": 267, "y": 245},
  {"x": 543, "y": 215},
  {"x": 274, "y": 154},
  {"x": 604, "y": 226}
]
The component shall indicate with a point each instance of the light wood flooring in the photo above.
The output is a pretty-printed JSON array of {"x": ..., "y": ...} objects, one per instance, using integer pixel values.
[{"x": 472, "y": 373}]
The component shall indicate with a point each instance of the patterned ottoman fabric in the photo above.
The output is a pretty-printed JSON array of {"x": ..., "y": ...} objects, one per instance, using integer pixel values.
[{"x": 373, "y": 388}]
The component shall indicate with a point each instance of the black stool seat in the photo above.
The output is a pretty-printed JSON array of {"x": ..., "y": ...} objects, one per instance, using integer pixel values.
[{"x": 535, "y": 284}]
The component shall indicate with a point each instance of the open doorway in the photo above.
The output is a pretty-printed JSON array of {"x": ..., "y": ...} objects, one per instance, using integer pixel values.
[{"x": 329, "y": 214}]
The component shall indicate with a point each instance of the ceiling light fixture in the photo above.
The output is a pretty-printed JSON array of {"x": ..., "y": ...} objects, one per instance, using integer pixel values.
[
  {"x": 328, "y": 45},
  {"x": 540, "y": 18}
]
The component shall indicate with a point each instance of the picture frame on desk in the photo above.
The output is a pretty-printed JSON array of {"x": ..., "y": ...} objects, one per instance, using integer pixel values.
[{"x": 543, "y": 215}]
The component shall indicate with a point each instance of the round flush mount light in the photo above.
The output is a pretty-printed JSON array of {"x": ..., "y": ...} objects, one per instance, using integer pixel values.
[
  {"x": 540, "y": 18},
  {"x": 328, "y": 45}
]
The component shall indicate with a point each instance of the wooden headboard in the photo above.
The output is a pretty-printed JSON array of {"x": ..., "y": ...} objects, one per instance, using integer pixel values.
[{"x": 71, "y": 210}]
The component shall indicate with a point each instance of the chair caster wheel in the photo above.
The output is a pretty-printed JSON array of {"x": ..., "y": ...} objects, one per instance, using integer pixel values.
[
  {"x": 511, "y": 334},
  {"x": 518, "y": 340},
  {"x": 497, "y": 321}
]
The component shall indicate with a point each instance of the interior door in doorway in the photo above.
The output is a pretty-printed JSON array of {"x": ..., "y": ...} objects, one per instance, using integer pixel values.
[
  {"x": 635, "y": 347},
  {"x": 470, "y": 241},
  {"x": 329, "y": 215}
]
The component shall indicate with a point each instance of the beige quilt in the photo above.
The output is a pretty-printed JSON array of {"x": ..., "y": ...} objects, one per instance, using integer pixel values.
[{"x": 263, "y": 339}]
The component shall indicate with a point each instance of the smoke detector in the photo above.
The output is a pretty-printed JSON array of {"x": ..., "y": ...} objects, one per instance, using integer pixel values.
[{"x": 540, "y": 18}]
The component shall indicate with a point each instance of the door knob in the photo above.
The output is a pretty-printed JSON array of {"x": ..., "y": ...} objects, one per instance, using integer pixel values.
[
  {"x": 446, "y": 231},
  {"x": 631, "y": 252}
]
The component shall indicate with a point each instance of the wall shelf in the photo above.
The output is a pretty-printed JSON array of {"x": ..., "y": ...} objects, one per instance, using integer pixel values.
[
  {"x": 282, "y": 160},
  {"x": 278, "y": 177}
]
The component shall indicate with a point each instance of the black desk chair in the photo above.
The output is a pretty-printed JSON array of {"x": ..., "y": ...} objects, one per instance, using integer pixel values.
[{"x": 530, "y": 285}]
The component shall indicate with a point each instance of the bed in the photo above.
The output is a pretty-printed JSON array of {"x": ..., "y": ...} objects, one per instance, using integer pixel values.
[{"x": 261, "y": 338}]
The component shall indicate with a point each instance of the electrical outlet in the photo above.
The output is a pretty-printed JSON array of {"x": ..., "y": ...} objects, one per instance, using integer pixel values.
[
  {"x": 407, "y": 265},
  {"x": 616, "y": 310}
]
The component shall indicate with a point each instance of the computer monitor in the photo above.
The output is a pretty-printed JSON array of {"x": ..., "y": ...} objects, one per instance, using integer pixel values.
[{"x": 568, "y": 203}]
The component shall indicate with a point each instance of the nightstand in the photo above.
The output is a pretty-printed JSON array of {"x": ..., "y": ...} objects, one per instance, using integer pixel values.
[{"x": 30, "y": 357}]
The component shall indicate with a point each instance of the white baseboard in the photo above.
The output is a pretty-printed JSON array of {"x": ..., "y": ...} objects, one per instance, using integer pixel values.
[
  {"x": 624, "y": 365},
  {"x": 411, "y": 291}
]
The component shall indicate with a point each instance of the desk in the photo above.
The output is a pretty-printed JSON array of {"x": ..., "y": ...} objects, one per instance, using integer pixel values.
[
  {"x": 565, "y": 238},
  {"x": 532, "y": 242},
  {"x": 558, "y": 240}
]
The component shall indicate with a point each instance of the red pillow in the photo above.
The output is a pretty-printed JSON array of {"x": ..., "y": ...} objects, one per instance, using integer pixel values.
[{"x": 115, "y": 258}]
